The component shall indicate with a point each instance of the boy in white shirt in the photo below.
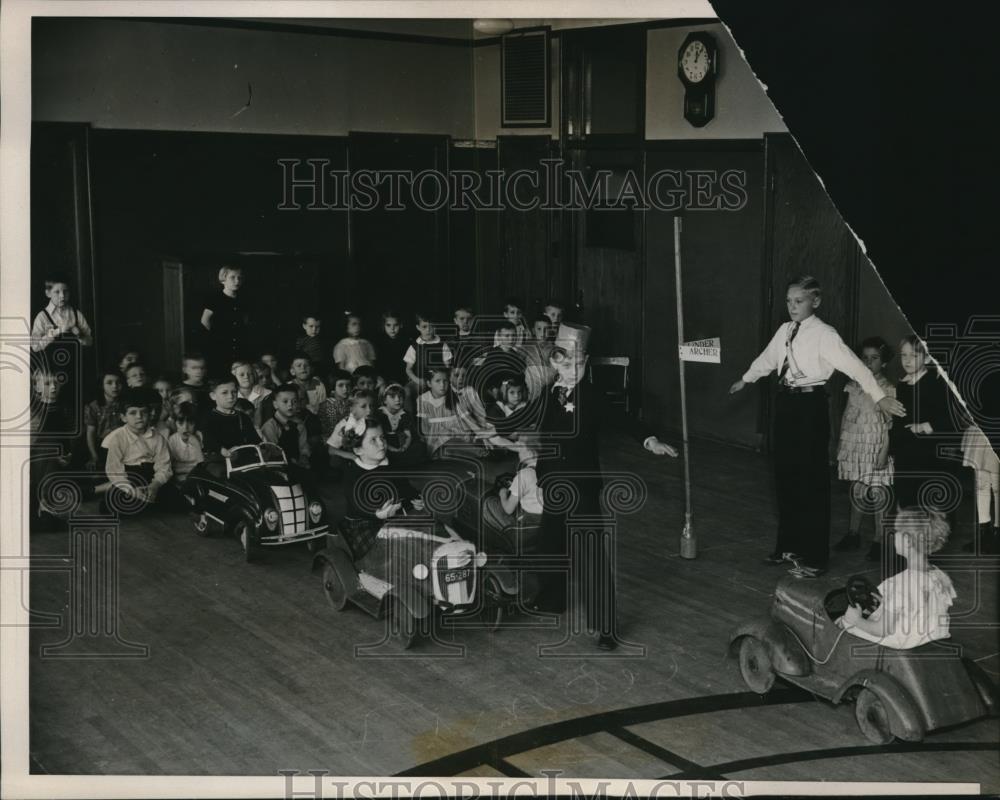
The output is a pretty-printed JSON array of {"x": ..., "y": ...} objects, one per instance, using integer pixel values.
[{"x": 805, "y": 352}]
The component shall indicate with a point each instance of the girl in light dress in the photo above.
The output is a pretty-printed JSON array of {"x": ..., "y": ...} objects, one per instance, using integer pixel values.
[
  {"x": 914, "y": 603},
  {"x": 862, "y": 456}
]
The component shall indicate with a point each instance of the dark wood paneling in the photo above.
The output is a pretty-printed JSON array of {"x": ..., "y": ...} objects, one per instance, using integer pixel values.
[
  {"x": 471, "y": 242},
  {"x": 204, "y": 199},
  {"x": 401, "y": 254},
  {"x": 525, "y": 235},
  {"x": 721, "y": 257}
]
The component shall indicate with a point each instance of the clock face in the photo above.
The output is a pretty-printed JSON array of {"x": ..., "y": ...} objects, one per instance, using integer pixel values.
[{"x": 695, "y": 61}]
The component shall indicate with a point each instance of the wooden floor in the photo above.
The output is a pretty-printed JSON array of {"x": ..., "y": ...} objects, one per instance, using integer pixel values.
[{"x": 248, "y": 671}]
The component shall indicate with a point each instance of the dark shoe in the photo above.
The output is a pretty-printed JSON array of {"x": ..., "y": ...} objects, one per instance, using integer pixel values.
[
  {"x": 874, "y": 552},
  {"x": 778, "y": 557},
  {"x": 605, "y": 642},
  {"x": 851, "y": 541}
]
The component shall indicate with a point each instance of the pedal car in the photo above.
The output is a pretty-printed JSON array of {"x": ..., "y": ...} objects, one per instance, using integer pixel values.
[
  {"x": 897, "y": 693},
  {"x": 261, "y": 501},
  {"x": 408, "y": 574},
  {"x": 507, "y": 586}
]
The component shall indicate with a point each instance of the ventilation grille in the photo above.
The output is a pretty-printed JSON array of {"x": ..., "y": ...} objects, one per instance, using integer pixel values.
[{"x": 525, "y": 76}]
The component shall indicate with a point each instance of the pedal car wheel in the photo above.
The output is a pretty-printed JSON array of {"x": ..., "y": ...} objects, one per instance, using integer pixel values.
[
  {"x": 244, "y": 534},
  {"x": 402, "y": 625},
  {"x": 755, "y": 665},
  {"x": 492, "y": 603},
  {"x": 872, "y": 717},
  {"x": 333, "y": 587}
]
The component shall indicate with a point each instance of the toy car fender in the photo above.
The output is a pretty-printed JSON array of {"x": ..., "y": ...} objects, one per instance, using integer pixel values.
[
  {"x": 904, "y": 718},
  {"x": 786, "y": 655},
  {"x": 340, "y": 561}
]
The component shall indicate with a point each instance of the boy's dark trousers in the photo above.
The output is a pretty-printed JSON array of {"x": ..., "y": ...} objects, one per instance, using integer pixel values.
[{"x": 801, "y": 474}]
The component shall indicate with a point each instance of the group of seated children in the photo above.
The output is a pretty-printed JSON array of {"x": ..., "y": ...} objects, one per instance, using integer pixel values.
[{"x": 143, "y": 432}]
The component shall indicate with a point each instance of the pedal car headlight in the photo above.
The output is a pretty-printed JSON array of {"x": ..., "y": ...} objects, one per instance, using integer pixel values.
[
  {"x": 271, "y": 518},
  {"x": 480, "y": 559},
  {"x": 420, "y": 572},
  {"x": 315, "y": 511}
]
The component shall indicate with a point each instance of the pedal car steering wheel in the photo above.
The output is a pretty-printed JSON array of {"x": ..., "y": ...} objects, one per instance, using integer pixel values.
[{"x": 862, "y": 594}]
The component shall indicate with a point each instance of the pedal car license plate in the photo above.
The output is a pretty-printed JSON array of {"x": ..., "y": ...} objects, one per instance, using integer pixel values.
[{"x": 457, "y": 575}]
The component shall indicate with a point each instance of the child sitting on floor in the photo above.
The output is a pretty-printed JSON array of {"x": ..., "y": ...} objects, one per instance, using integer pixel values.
[
  {"x": 278, "y": 374},
  {"x": 365, "y": 379},
  {"x": 101, "y": 416},
  {"x": 338, "y": 401},
  {"x": 312, "y": 392},
  {"x": 185, "y": 446},
  {"x": 138, "y": 463},
  {"x": 295, "y": 430},
  {"x": 914, "y": 603},
  {"x": 249, "y": 389},
  {"x": 398, "y": 428},
  {"x": 362, "y": 407},
  {"x": 193, "y": 369},
  {"x": 312, "y": 343},
  {"x": 509, "y": 412}
]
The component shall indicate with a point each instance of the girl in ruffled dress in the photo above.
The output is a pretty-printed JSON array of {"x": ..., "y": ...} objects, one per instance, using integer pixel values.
[{"x": 862, "y": 457}]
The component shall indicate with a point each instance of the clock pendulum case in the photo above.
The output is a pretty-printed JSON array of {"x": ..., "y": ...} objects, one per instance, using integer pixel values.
[{"x": 698, "y": 67}]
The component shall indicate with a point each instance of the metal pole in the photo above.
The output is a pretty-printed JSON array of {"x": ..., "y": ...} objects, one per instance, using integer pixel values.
[{"x": 689, "y": 544}]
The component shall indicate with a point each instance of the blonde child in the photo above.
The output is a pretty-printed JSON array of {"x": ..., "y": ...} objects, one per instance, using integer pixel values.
[
  {"x": 60, "y": 331},
  {"x": 362, "y": 407},
  {"x": 913, "y": 608},
  {"x": 224, "y": 321},
  {"x": 518, "y": 501},
  {"x": 249, "y": 388},
  {"x": 862, "y": 456},
  {"x": 805, "y": 352},
  {"x": 353, "y": 351},
  {"x": 312, "y": 392}
]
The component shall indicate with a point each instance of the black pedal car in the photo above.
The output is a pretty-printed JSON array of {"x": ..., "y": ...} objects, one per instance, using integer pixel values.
[{"x": 262, "y": 500}]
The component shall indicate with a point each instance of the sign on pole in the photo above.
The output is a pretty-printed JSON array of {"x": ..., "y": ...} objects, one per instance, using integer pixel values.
[{"x": 708, "y": 351}]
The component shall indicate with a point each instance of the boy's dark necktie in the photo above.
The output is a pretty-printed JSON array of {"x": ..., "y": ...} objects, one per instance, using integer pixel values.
[{"x": 788, "y": 350}]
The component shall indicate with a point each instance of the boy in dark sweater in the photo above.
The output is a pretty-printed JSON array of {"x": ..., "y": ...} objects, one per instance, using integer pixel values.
[{"x": 224, "y": 428}]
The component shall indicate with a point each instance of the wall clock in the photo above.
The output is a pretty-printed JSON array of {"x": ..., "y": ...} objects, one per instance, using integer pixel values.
[{"x": 697, "y": 67}]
